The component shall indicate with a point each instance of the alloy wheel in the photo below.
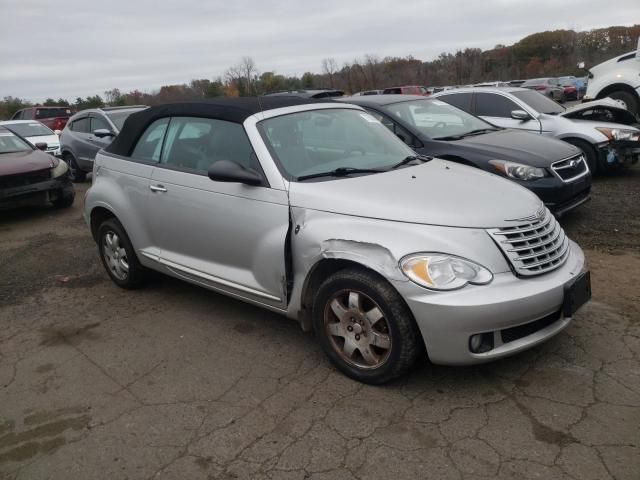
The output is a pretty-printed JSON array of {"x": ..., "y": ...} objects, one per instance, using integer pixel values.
[
  {"x": 115, "y": 255},
  {"x": 357, "y": 329}
]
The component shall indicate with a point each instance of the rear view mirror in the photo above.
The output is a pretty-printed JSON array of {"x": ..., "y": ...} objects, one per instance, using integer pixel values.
[
  {"x": 520, "y": 115},
  {"x": 228, "y": 171},
  {"x": 41, "y": 146},
  {"x": 103, "y": 132},
  {"x": 581, "y": 65}
]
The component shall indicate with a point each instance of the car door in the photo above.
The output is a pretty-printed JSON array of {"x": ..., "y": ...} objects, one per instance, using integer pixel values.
[
  {"x": 496, "y": 108},
  {"x": 82, "y": 148},
  {"x": 226, "y": 236}
]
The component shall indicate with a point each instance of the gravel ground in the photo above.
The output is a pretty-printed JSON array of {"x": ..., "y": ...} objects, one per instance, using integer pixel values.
[{"x": 175, "y": 382}]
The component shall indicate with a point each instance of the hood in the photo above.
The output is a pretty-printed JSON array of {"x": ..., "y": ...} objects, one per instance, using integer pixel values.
[
  {"x": 50, "y": 140},
  {"x": 25, "y": 162},
  {"x": 613, "y": 61},
  {"x": 520, "y": 146},
  {"x": 608, "y": 108},
  {"x": 434, "y": 193}
]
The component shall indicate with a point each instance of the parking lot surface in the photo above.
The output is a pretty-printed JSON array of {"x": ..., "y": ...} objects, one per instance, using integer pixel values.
[{"x": 174, "y": 381}]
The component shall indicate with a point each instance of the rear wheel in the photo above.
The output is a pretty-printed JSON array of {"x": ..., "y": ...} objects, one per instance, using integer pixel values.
[
  {"x": 118, "y": 256},
  {"x": 629, "y": 100},
  {"x": 365, "y": 327},
  {"x": 76, "y": 175},
  {"x": 589, "y": 153}
]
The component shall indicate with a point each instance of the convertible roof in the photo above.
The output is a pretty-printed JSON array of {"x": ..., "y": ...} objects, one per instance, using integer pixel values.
[{"x": 231, "y": 109}]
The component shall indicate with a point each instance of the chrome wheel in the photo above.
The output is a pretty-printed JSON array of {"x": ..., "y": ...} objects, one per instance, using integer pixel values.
[
  {"x": 115, "y": 256},
  {"x": 357, "y": 329}
]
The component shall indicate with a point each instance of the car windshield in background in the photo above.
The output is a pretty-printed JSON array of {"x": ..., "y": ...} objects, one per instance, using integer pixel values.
[
  {"x": 312, "y": 142},
  {"x": 52, "y": 112},
  {"x": 34, "y": 129},
  {"x": 9, "y": 143},
  {"x": 539, "y": 102},
  {"x": 118, "y": 117},
  {"x": 534, "y": 81},
  {"x": 437, "y": 119}
]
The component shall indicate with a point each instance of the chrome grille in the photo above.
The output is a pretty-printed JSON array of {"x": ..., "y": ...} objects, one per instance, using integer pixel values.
[
  {"x": 536, "y": 247},
  {"x": 571, "y": 168}
]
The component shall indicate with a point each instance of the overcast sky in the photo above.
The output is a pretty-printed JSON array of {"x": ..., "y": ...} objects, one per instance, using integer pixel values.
[{"x": 70, "y": 48}]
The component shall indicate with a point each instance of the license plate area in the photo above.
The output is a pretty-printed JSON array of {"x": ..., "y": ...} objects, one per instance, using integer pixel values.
[{"x": 577, "y": 294}]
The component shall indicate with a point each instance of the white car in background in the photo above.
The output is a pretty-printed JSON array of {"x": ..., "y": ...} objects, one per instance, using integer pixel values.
[{"x": 35, "y": 132}]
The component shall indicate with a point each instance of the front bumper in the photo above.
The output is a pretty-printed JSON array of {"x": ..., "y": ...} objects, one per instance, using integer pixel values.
[
  {"x": 447, "y": 320},
  {"x": 558, "y": 196},
  {"x": 36, "y": 193},
  {"x": 618, "y": 153}
]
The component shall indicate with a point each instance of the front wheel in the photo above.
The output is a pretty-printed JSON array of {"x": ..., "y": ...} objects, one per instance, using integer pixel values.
[
  {"x": 365, "y": 327},
  {"x": 63, "y": 201},
  {"x": 628, "y": 99},
  {"x": 76, "y": 175},
  {"x": 118, "y": 256},
  {"x": 589, "y": 152}
]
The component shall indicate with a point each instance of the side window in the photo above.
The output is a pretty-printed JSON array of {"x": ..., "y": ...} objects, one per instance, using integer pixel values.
[
  {"x": 193, "y": 144},
  {"x": 400, "y": 132},
  {"x": 26, "y": 114},
  {"x": 460, "y": 100},
  {"x": 149, "y": 146},
  {"x": 17, "y": 115},
  {"x": 99, "y": 123},
  {"x": 491, "y": 105},
  {"x": 81, "y": 125}
]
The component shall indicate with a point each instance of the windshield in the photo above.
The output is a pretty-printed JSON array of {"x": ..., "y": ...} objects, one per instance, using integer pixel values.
[
  {"x": 118, "y": 118},
  {"x": 34, "y": 129},
  {"x": 53, "y": 112},
  {"x": 10, "y": 143},
  {"x": 437, "y": 119},
  {"x": 539, "y": 102},
  {"x": 316, "y": 141}
]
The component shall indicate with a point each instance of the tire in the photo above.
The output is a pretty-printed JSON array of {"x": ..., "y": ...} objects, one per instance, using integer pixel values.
[
  {"x": 77, "y": 175},
  {"x": 629, "y": 99},
  {"x": 134, "y": 275},
  {"x": 589, "y": 152},
  {"x": 63, "y": 201},
  {"x": 368, "y": 345}
]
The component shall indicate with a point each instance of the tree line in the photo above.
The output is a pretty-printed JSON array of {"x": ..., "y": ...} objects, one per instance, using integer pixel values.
[{"x": 550, "y": 53}]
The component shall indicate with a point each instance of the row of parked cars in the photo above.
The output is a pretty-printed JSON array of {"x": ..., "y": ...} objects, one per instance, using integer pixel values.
[{"x": 394, "y": 226}]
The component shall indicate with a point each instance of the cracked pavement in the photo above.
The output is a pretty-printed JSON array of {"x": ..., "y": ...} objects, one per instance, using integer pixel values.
[{"x": 174, "y": 382}]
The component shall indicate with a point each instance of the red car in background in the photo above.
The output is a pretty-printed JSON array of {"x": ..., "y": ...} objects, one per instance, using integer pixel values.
[
  {"x": 570, "y": 89},
  {"x": 406, "y": 90},
  {"x": 53, "y": 117}
]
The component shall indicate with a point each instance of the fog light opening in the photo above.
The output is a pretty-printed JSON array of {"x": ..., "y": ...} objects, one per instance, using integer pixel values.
[{"x": 481, "y": 342}]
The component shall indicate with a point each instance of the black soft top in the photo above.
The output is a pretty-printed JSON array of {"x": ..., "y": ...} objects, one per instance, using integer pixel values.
[{"x": 234, "y": 109}]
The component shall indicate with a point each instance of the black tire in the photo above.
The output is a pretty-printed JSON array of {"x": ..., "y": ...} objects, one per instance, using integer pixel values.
[
  {"x": 136, "y": 274},
  {"x": 590, "y": 154},
  {"x": 404, "y": 338},
  {"x": 76, "y": 175},
  {"x": 629, "y": 99},
  {"x": 63, "y": 201}
]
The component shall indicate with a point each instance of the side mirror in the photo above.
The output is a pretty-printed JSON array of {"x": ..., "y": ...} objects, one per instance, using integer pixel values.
[
  {"x": 228, "y": 171},
  {"x": 41, "y": 146},
  {"x": 520, "y": 115},
  {"x": 581, "y": 65},
  {"x": 103, "y": 132}
]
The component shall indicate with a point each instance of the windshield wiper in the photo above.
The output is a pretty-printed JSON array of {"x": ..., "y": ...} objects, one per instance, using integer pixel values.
[
  {"x": 338, "y": 172},
  {"x": 468, "y": 134},
  {"x": 410, "y": 159}
]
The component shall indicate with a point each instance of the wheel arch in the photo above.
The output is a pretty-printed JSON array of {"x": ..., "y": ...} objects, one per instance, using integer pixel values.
[
  {"x": 617, "y": 87},
  {"x": 98, "y": 216}
]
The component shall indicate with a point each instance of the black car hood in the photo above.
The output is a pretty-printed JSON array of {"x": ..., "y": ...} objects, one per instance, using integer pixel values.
[{"x": 518, "y": 146}]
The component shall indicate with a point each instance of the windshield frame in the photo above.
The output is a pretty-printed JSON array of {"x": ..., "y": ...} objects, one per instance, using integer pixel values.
[
  {"x": 114, "y": 115},
  {"x": 259, "y": 123},
  {"x": 422, "y": 134}
]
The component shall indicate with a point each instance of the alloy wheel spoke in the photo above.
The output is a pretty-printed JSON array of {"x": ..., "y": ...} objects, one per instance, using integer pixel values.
[
  {"x": 116, "y": 242},
  {"x": 124, "y": 266},
  {"x": 109, "y": 241},
  {"x": 338, "y": 309},
  {"x": 355, "y": 301},
  {"x": 335, "y": 329},
  {"x": 369, "y": 356},
  {"x": 349, "y": 347},
  {"x": 380, "y": 340},
  {"x": 374, "y": 316}
]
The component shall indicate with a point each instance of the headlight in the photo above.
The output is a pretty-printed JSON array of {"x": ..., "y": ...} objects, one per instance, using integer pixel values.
[
  {"x": 518, "y": 170},
  {"x": 620, "y": 134},
  {"x": 439, "y": 271},
  {"x": 60, "y": 169}
]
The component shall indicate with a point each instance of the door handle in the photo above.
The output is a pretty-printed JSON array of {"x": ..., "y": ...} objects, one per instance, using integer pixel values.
[{"x": 157, "y": 188}]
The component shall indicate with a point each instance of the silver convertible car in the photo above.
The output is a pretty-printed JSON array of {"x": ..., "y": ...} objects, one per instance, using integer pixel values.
[{"x": 315, "y": 210}]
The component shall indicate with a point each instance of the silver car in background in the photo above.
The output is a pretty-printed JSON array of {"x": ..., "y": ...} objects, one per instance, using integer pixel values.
[
  {"x": 317, "y": 211},
  {"x": 602, "y": 129}
]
